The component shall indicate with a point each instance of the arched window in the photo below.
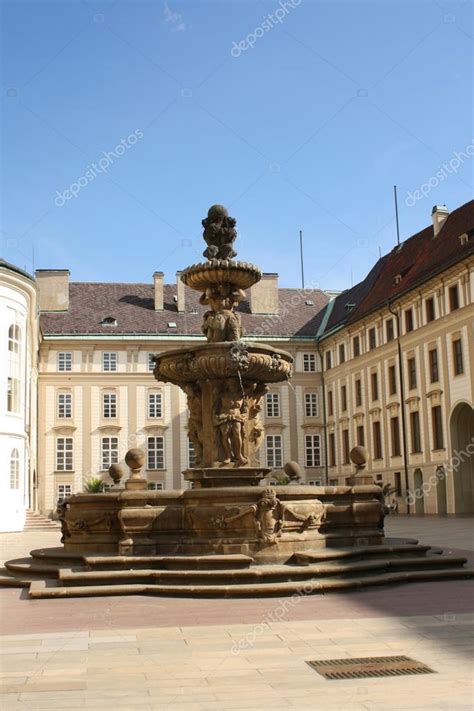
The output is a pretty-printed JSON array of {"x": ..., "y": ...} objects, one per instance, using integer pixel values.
[
  {"x": 15, "y": 469},
  {"x": 14, "y": 337}
]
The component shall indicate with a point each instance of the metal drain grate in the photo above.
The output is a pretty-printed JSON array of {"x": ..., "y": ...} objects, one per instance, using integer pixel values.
[{"x": 368, "y": 667}]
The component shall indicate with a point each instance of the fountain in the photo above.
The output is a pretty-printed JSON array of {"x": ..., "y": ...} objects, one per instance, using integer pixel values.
[{"x": 228, "y": 534}]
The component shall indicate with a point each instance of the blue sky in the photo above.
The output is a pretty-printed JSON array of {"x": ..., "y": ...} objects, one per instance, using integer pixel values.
[{"x": 304, "y": 120}]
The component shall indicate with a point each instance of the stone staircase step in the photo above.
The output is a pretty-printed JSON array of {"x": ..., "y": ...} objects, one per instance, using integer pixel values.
[
  {"x": 28, "y": 566},
  {"x": 327, "y": 554},
  {"x": 188, "y": 562}
]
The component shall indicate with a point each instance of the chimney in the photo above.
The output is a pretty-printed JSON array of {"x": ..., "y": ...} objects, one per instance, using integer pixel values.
[
  {"x": 264, "y": 295},
  {"x": 440, "y": 214},
  {"x": 180, "y": 287},
  {"x": 158, "y": 284},
  {"x": 53, "y": 287}
]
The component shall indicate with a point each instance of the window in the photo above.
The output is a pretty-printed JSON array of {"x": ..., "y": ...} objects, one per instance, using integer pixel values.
[
  {"x": 64, "y": 405},
  {"x": 415, "y": 432},
  {"x": 64, "y": 362},
  {"x": 345, "y": 447},
  {"x": 374, "y": 382},
  {"x": 395, "y": 435},
  {"x": 62, "y": 491},
  {"x": 273, "y": 404},
  {"x": 408, "y": 320},
  {"x": 311, "y": 404},
  {"x": 13, "y": 395},
  {"x": 392, "y": 380},
  {"x": 191, "y": 455},
  {"x": 155, "y": 408},
  {"x": 315, "y": 482},
  {"x": 274, "y": 451},
  {"x": 330, "y": 404},
  {"x": 313, "y": 451},
  {"x": 155, "y": 486},
  {"x": 14, "y": 337},
  {"x": 438, "y": 439},
  {"x": 109, "y": 405},
  {"x": 343, "y": 398},
  {"x": 333, "y": 482},
  {"x": 109, "y": 452},
  {"x": 360, "y": 435},
  {"x": 398, "y": 483},
  {"x": 332, "y": 450},
  {"x": 457, "y": 357},
  {"x": 356, "y": 346},
  {"x": 155, "y": 453},
  {"x": 411, "y": 373},
  {"x": 453, "y": 297},
  {"x": 342, "y": 353},
  {"x": 151, "y": 362},
  {"x": 64, "y": 454},
  {"x": 328, "y": 360},
  {"x": 309, "y": 362},
  {"x": 358, "y": 392},
  {"x": 377, "y": 435},
  {"x": 430, "y": 309},
  {"x": 372, "y": 338},
  {"x": 434, "y": 370},
  {"x": 15, "y": 469},
  {"x": 109, "y": 362},
  {"x": 390, "y": 331}
]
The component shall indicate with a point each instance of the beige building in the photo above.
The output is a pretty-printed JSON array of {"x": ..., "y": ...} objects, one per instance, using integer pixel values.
[{"x": 398, "y": 355}]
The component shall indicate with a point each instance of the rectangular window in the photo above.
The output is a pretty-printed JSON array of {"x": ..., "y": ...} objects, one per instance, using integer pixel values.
[
  {"x": 392, "y": 380},
  {"x": 315, "y": 482},
  {"x": 155, "y": 486},
  {"x": 342, "y": 353},
  {"x": 64, "y": 362},
  {"x": 109, "y": 452},
  {"x": 453, "y": 298},
  {"x": 343, "y": 398},
  {"x": 309, "y": 362},
  {"x": 377, "y": 435},
  {"x": 345, "y": 447},
  {"x": 457, "y": 357},
  {"x": 438, "y": 439},
  {"x": 328, "y": 360},
  {"x": 191, "y": 455},
  {"x": 408, "y": 320},
  {"x": 63, "y": 491},
  {"x": 155, "y": 408},
  {"x": 356, "y": 346},
  {"x": 330, "y": 404},
  {"x": 390, "y": 331},
  {"x": 311, "y": 404},
  {"x": 360, "y": 436},
  {"x": 372, "y": 338},
  {"x": 273, "y": 405},
  {"x": 358, "y": 392},
  {"x": 395, "y": 435},
  {"x": 64, "y": 454},
  {"x": 415, "y": 432},
  {"x": 434, "y": 370},
  {"x": 430, "y": 309},
  {"x": 155, "y": 449},
  {"x": 151, "y": 362},
  {"x": 332, "y": 450},
  {"x": 374, "y": 381},
  {"x": 109, "y": 405},
  {"x": 13, "y": 395},
  {"x": 64, "y": 405},
  {"x": 411, "y": 373},
  {"x": 274, "y": 450},
  {"x": 109, "y": 362},
  {"x": 313, "y": 451},
  {"x": 398, "y": 483}
]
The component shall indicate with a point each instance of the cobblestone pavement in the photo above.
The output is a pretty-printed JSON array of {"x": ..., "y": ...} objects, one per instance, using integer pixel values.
[{"x": 158, "y": 653}]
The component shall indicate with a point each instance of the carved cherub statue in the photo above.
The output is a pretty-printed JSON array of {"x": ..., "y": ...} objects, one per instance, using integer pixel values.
[
  {"x": 219, "y": 233},
  {"x": 221, "y": 323}
]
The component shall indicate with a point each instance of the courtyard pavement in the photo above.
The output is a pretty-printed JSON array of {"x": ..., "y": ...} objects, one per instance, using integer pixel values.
[{"x": 168, "y": 653}]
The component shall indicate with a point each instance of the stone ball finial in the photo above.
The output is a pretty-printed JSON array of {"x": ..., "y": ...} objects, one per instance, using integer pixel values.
[
  {"x": 115, "y": 473},
  {"x": 359, "y": 456},
  {"x": 135, "y": 458},
  {"x": 293, "y": 471}
]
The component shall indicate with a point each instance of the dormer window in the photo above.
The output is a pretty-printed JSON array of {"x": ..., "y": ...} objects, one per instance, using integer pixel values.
[
  {"x": 109, "y": 321},
  {"x": 398, "y": 278},
  {"x": 464, "y": 239},
  {"x": 172, "y": 324}
]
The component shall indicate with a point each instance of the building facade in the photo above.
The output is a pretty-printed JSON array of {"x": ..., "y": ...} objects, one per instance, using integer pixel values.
[{"x": 19, "y": 337}]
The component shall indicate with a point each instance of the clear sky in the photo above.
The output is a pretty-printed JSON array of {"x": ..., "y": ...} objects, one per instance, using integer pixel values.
[{"x": 301, "y": 120}]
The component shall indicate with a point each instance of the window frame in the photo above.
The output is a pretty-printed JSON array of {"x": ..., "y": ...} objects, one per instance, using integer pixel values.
[
  {"x": 309, "y": 363},
  {"x": 112, "y": 358},
  {"x": 66, "y": 406},
  {"x": 311, "y": 404},
  {"x": 155, "y": 397},
  {"x": 458, "y": 359},
  {"x": 155, "y": 453},
  {"x": 64, "y": 361},
  {"x": 274, "y": 450},
  {"x": 312, "y": 445},
  {"x": 272, "y": 404},
  {"x": 109, "y": 406},
  {"x": 15, "y": 480},
  {"x": 67, "y": 452}
]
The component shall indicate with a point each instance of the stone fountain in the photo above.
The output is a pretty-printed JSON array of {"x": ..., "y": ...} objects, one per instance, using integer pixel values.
[{"x": 228, "y": 534}]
